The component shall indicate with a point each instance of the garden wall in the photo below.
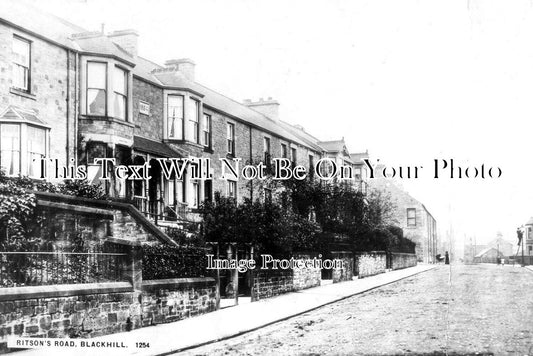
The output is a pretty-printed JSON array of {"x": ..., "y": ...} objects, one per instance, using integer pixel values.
[
  {"x": 402, "y": 260},
  {"x": 370, "y": 263},
  {"x": 345, "y": 273},
  {"x": 168, "y": 300}
]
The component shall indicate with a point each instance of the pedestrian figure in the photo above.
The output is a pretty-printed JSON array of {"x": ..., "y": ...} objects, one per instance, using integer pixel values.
[{"x": 446, "y": 258}]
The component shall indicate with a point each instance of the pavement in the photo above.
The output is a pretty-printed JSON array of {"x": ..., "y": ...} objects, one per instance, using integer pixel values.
[{"x": 226, "y": 323}]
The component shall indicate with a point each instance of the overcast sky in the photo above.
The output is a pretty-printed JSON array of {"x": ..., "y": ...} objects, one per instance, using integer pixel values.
[{"x": 408, "y": 80}]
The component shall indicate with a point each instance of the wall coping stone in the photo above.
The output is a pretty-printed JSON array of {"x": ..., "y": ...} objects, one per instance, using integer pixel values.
[
  {"x": 177, "y": 283},
  {"x": 63, "y": 290},
  {"x": 105, "y": 204}
]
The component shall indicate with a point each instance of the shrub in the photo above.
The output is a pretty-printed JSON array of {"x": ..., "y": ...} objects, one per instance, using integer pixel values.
[{"x": 164, "y": 261}]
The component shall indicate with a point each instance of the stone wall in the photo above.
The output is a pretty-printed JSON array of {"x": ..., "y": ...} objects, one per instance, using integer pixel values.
[
  {"x": 270, "y": 283},
  {"x": 86, "y": 310},
  {"x": 403, "y": 260},
  {"x": 168, "y": 300},
  {"x": 370, "y": 263},
  {"x": 345, "y": 273}
]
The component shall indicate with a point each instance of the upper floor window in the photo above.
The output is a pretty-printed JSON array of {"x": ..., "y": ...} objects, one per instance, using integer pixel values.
[
  {"x": 120, "y": 87},
  {"x": 206, "y": 130},
  {"x": 293, "y": 155},
  {"x": 230, "y": 134},
  {"x": 96, "y": 88},
  {"x": 195, "y": 194},
  {"x": 311, "y": 165},
  {"x": 284, "y": 152},
  {"x": 175, "y": 116},
  {"x": 21, "y": 63},
  {"x": 411, "y": 217},
  {"x": 194, "y": 120},
  {"x": 266, "y": 149}
]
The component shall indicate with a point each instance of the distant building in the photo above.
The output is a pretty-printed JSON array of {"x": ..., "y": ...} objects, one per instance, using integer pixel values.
[
  {"x": 474, "y": 252},
  {"x": 488, "y": 255},
  {"x": 528, "y": 238},
  {"x": 413, "y": 217}
]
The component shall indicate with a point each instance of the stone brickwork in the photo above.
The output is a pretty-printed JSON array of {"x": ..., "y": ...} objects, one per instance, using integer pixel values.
[
  {"x": 149, "y": 126},
  {"x": 50, "y": 83},
  {"x": 345, "y": 273},
  {"x": 168, "y": 300},
  {"x": 269, "y": 283},
  {"x": 403, "y": 260},
  {"x": 422, "y": 230},
  {"x": 370, "y": 263},
  {"x": 84, "y": 315}
]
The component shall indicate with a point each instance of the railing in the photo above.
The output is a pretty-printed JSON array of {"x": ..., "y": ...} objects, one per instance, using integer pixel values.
[{"x": 19, "y": 269}]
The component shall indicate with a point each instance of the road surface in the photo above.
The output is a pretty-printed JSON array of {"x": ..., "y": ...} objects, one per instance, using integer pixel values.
[{"x": 487, "y": 309}]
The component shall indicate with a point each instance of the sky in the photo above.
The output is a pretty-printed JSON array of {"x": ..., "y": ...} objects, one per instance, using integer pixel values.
[{"x": 410, "y": 81}]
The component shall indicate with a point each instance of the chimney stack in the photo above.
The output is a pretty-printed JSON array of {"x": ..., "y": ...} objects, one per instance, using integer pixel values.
[
  {"x": 269, "y": 107},
  {"x": 127, "y": 39},
  {"x": 184, "y": 65}
]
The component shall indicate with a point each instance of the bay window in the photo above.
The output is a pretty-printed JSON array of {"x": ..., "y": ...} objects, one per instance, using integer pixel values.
[
  {"x": 36, "y": 150},
  {"x": 22, "y": 146},
  {"x": 120, "y": 87},
  {"x": 21, "y": 63},
  {"x": 96, "y": 88},
  {"x": 10, "y": 148},
  {"x": 175, "y": 116}
]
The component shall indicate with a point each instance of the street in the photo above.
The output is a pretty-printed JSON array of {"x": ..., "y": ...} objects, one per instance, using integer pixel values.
[{"x": 487, "y": 309}]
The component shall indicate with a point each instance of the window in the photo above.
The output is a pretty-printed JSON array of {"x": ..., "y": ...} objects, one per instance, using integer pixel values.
[
  {"x": 36, "y": 150},
  {"x": 411, "y": 217},
  {"x": 21, "y": 63},
  {"x": 311, "y": 166},
  {"x": 196, "y": 194},
  {"x": 206, "y": 130},
  {"x": 194, "y": 120},
  {"x": 10, "y": 148},
  {"x": 96, "y": 88},
  {"x": 266, "y": 150},
  {"x": 358, "y": 173},
  {"x": 293, "y": 155},
  {"x": 120, "y": 87},
  {"x": 208, "y": 190},
  {"x": 231, "y": 138},
  {"x": 175, "y": 116},
  {"x": 232, "y": 189},
  {"x": 284, "y": 152}
]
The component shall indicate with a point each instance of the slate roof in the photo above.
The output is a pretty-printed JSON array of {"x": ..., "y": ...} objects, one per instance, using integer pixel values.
[
  {"x": 13, "y": 113},
  {"x": 155, "y": 147},
  {"x": 358, "y": 157},
  {"x": 484, "y": 251},
  {"x": 101, "y": 44},
  {"x": 333, "y": 146}
]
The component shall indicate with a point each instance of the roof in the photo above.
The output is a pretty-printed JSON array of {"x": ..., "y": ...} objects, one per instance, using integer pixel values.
[
  {"x": 154, "y": 147},
  {"x": 333, "y": 146},
  {"x": 483, "y": 252},
  {"x": 358, "y": 157},
  {"x": 99, "y": 43},
  {"x": 15, "y": 114},
  {"x": 303, "y": 135},
  {"x": 228, "y": 106},
  {"x": 530, "y": 221}
]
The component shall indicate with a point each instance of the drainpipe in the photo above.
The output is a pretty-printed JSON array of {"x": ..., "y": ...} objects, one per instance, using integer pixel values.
[
  {"x": 67, "y": 146},
  {"x": 76, "y": 104},
  {"x": 251, "y": 180}
]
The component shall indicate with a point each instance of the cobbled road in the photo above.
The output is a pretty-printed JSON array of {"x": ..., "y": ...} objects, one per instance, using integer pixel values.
[{"x": 486, "y": 310}]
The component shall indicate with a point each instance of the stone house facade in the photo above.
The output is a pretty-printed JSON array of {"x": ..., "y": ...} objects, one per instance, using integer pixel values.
[
  {"x": 413, "y": 217},
  {"x": 75, "y": 95}
]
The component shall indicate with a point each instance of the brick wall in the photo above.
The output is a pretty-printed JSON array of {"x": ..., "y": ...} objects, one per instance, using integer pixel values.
[
  {"x": 370, "y": 263},
  {"x": 168, "y": 300}
]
